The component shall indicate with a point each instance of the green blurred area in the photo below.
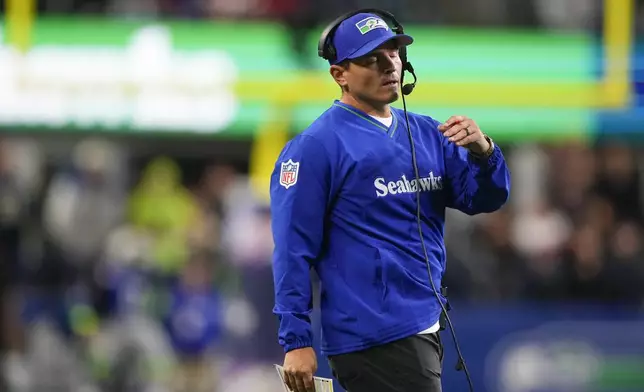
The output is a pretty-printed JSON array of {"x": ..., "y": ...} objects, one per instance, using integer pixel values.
[
  {"x": 261, "y": 55},
  {"x": 438, "y": 53}
]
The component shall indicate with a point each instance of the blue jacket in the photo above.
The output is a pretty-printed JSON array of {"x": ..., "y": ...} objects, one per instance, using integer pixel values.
[{"x": 343, "y": 202}]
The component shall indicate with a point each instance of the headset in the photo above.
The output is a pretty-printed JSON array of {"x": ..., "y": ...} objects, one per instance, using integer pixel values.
[{"x": 327, "y": 51}]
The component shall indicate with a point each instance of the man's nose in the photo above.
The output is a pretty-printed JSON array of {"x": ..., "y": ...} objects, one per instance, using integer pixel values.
[{"x": 388, "y": 65}]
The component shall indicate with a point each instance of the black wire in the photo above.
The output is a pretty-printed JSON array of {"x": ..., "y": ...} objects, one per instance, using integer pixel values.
[{"x": 461, "y": 361}]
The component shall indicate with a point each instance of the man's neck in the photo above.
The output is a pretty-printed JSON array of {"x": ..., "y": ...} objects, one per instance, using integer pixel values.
[{"x": 367, "y": 107}]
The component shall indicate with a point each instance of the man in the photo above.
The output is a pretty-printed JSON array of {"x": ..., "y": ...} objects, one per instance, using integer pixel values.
[{"x": 343, "y": 201}]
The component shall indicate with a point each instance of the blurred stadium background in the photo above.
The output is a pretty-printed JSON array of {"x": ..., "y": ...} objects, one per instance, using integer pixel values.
[{"x": 136, "y": 141}]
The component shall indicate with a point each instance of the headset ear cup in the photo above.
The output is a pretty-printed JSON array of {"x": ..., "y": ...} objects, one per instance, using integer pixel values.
[{"x": 329, "y": 49}]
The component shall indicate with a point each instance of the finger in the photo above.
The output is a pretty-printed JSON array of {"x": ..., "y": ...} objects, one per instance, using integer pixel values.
[
  {"x": 288, "y": 379},
  {"x": 450, "y": 122},
  {"x": 455, "y": 119},
  {"x": 456, "y": 129},
  {"x": 468, "y": 140},
  {"x": 292, "y": 380},
  {"x": 459, "y": 136},
  {"x": 453, "y": 130},
  {"x": 308, "y": 383},
  {"x": 443, "y": 127},
  {"x": 299, "y": 383}
]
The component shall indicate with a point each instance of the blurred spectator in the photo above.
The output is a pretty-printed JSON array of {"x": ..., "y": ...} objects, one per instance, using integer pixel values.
[
  {"x": 137, "y": 8},
  {"x": 585, "y": 265},
  {"x": 572, "y": 174},
  {"x": 84, "y": 203},
  {"x": 12, "y": 211},
  {"x": 569, "y": 14},
  {"x": 73, "y": 6},
  {"x": 618, "y": 181},
  {"x": 212, "y": 197},
  {"x": 625, "y": 269},
  {"x": 490, "y": 268},
  {"x": 194, "y": 321},
  {"x": 166, "y": 211},
  {"x": 224, "y": 9}
]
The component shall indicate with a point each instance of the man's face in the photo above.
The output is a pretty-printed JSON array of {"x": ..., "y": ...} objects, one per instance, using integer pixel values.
[{"x": 374, "y": 77}]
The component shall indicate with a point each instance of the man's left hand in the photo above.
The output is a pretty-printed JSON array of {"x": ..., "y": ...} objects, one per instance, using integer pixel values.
[{"x": 466, "y": 133}]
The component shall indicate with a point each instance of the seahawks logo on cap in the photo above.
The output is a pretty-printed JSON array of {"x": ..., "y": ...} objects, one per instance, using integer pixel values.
[{"x": 371, "y": 23}]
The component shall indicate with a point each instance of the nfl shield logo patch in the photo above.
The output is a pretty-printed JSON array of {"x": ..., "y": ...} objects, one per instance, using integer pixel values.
[{"x": 288, "y": 173}]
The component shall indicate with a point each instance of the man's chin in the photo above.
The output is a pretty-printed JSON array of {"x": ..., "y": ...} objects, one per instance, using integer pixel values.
[
  {"x": 393, "y": 97},
  {"x": 383, "y": 99}
]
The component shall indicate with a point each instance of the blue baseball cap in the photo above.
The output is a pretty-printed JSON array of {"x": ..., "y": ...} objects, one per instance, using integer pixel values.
[{"x": 361, "y": 34}]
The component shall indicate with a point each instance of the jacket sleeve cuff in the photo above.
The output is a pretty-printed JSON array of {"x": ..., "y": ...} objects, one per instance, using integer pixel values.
[
  {"x": 297, "y": 343},
  {"x": 486, "y": 162},
  {"x": 295, "y": 331}
]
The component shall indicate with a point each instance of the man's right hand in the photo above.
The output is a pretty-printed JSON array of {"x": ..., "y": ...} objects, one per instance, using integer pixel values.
[{"x": 299, "y": 367}]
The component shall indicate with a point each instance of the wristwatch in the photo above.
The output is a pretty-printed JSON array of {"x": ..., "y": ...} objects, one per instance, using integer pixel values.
[{"x": 488, "y": 152}]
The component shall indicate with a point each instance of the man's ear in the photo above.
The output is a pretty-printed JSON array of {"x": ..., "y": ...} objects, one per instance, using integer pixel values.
[{"x": 338, "y": 73}]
